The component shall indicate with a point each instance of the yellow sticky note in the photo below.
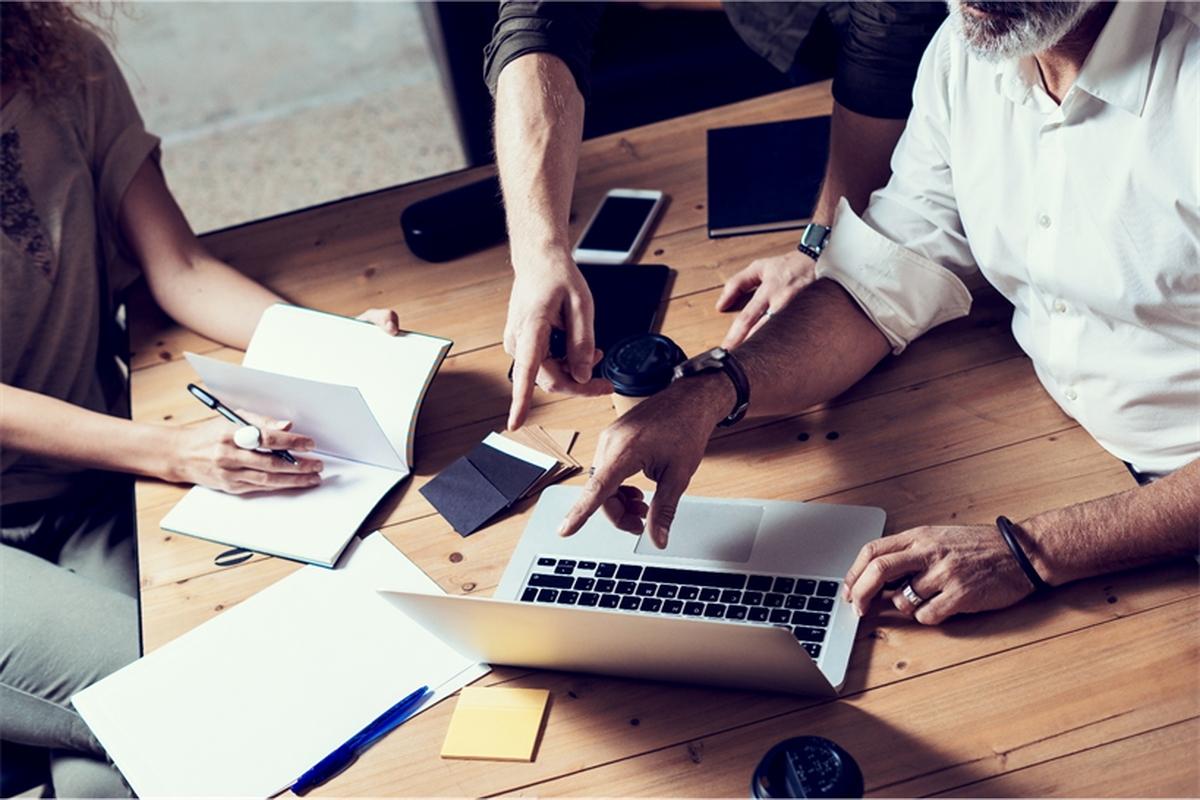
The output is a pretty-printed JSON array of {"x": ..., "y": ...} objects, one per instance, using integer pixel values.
[{"x": 496, "y": 723}]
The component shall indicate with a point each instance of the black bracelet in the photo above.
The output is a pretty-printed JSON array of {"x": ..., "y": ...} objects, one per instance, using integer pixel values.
[{"x": 1005, "y": 526}]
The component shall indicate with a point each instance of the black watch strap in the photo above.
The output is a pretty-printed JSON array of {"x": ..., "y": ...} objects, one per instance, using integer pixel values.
[
  {"x": 813, "y": 240},
  {"x": 721, "y": 359}
]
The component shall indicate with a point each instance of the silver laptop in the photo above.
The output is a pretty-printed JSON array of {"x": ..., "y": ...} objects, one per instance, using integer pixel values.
[{"x": 746, "y": 595}]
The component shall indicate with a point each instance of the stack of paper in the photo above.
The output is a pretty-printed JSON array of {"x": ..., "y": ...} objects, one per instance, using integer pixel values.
[
  {"x": 498, "y": 472},
  {"x": 244, "y": 704}
]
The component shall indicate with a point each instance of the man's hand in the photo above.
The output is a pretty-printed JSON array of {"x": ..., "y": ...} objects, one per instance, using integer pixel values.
[
  {"x": 953, "y": 569},
  {"x": 206, "y": 455},
  {"x": 664, "y": 438},
  {"x": 546, "y": 297},
  {"x": 774, "y": 282}
]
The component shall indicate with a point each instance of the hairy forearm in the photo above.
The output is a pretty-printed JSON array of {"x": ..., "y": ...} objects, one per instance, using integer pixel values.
[
  {"x": 52, "y": 429},
  {"x": 817, "y": 347},
  {"x": 1121, "y": 531},
  {"x": 538, "y": 129},
  {"x": 860, "y": 154}
]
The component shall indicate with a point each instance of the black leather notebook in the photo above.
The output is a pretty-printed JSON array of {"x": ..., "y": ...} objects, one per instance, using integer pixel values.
[{"x": 765, "y": 177}]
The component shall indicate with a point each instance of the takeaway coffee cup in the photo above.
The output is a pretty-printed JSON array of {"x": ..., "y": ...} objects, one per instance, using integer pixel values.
[
  {"x": 807, "y": 766},
  {"x": 640, "y": 366}
]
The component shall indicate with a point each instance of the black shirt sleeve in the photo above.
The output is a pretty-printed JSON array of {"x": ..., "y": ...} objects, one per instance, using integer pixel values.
[
  {"x": 565, "y": 29},
  {"x": 881, "y": 51}
]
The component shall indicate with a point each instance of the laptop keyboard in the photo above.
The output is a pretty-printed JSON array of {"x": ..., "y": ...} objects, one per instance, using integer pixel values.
[{"x": 802, "y": 605}]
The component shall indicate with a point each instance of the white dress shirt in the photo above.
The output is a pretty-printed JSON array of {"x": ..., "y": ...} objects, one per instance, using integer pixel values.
[{"x": 1085, "y": 215}]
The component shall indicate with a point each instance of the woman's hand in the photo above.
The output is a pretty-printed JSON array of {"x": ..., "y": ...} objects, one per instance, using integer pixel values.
[
  {"x": 206, "y": 455},
  {"x": 383, "y": 318}
]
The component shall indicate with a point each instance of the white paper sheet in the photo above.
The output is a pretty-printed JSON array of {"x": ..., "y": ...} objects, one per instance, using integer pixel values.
[
  {"x": 247, "y": 702},
  {"x": 392, "y": 372},
  {"x": 311, "y": 525}
]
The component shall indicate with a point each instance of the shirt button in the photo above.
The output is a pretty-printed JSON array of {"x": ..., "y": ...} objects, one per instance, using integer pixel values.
[
  {"x": 1044, "y": 220},
  {"x": 1060, "y": 306},
  {"x": 1070, "y": 394}
]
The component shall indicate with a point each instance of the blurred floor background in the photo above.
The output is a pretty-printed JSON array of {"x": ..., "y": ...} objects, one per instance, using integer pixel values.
[{"x": 266, "y": 107}]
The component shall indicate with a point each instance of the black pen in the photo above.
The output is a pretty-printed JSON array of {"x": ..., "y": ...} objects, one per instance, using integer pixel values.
[{"x": 219, "y": 407}]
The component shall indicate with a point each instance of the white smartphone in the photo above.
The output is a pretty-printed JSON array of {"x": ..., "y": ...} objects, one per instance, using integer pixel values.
[{"x": 618, "y": 227}]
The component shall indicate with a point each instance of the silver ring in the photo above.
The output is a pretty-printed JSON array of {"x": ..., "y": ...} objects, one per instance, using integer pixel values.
[
  {"x": 766, "y": 314},
  {"x": 248, "y": 437},
  {"x": 591, "y": 471},
  {"x": 911, "y": 595}
]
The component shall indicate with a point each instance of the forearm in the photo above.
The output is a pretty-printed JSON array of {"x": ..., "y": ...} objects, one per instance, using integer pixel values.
[
  {"x": 188, "y": 283},
  {"x": 817, "y": 347},
  {"x": 1121, "y": 531},
  {"x": 860, "y": 154},
  {"x": 538, "y": 129},
  {"x": 58, "y": 431}
]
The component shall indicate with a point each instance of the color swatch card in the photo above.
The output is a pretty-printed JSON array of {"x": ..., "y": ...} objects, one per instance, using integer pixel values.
[{"x": 496, "y": 723}]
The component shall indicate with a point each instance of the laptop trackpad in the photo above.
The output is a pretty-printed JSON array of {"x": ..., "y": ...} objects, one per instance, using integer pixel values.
[{"x": 719, "y": 531}]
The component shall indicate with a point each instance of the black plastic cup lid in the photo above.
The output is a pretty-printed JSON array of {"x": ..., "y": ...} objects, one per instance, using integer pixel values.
[
  {"x": 807, "y": 766},
  {"x": 640, "y": 365}
]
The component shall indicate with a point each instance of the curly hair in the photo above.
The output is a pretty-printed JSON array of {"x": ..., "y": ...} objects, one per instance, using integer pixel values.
[{"x": 42, "y": 42}]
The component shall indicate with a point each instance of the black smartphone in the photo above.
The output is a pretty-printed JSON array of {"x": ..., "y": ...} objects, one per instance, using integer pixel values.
[{"x": 626, "y": 297}]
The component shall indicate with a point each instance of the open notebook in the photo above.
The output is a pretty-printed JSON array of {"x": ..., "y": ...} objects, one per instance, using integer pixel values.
[{"x": 351, "y": 387}]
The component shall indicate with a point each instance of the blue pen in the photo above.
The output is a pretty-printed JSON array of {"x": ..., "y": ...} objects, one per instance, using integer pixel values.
[{"x": 345, "y": 755}]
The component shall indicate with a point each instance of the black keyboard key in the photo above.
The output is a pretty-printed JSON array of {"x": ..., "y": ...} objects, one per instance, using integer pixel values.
[
  {"x": 736, "y": 612},
  {"x": 605, "y": 585},
  {"x": 805, "y": 586},
  {"x": 589, "y": 565},
  {"x": 693, "y": 609},
  {"x": 584, "y": 584},
  {"x": 810, "y": 619},
  {"x": 545, "y": 562},
  {"x": 589, "y": 599},
  {"x": 773, "y": 600},
  {"x": 760, "y": 583},
  {"x": 564, "y": 568},
  {"x": 696, "y": 577},
  {"x": 651, "y": 605},
  {"x": 629, "y": 572},
  {"x": 781, "y": 615},
  {"x": 809, "y": 634},
  {"x": 529, "y": 595},
  {"x": 646, "y": 589},
  {"x": 759, "y": 614},
  {"x": 710, "y": 595},
  {"x": 630, "y": 603},
  {"x": 714, "y": 611},
  {"x": 551, "y": 581},
  {"x": 813, "y": 649},
  {"x": 794, "y": 601},
  {"x": 625, "y": 587},
  {"x": 609, "y": 600},
  {"x": 731, "y": 596},
  {"x": 667, "y": 591},
  {"x": 689, "y": 592},
  {"x": 568, "y": 598},
  {"x": 606, "y": 570},
  {"x": 784, "y": 585},
  {"x": 547, "y": 595},
  {"x": 827, "y": 589},
  {"x": 820, "y": 604},
  {"x": 672, "y": 607},
  {"x": 752, "y": 598}
]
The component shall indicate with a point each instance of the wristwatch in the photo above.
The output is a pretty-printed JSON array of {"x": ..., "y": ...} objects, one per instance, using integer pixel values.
[
  {"x": 813, "y": 240},
  {"x": 720, "y": 359}
]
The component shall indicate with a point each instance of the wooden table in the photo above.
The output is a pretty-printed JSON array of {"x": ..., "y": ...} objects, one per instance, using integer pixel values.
[{"x": 1093, "y": 689}]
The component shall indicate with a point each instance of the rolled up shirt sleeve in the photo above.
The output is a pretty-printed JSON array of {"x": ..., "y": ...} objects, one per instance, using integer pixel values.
[
  {"x": 563, "y": 29},
  {"x": 881, "y": 50}
]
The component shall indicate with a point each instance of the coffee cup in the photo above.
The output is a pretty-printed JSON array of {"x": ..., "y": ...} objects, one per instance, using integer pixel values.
[{"x": 639, "y": 366}]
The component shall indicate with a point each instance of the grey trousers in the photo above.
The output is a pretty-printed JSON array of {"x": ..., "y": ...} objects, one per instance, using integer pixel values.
[{"x": 68, "y": 617}]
